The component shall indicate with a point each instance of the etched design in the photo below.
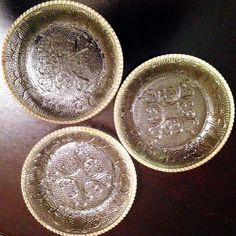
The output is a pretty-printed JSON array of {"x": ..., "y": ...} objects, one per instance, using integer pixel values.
[
  {"x": 64, "y": 57},
  {"x": 169, "y": 111},
  {"x": 169, "y": 107},
  {"x": 79, "y": 175},
  {"x": 65, "y": 61}
]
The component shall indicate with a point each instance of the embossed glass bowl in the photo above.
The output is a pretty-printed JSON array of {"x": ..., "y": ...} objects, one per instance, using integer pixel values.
[
  {"x": 79, "y": 181},
  {"x": 62, "y": 61},
  {"x": 174, "y": 112}
]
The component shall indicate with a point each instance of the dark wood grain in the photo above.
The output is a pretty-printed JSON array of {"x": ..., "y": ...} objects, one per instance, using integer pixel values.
[{"x": 199, "y": 202}]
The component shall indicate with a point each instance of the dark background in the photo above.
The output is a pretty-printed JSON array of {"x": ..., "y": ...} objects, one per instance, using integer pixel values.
[{"x": 198, "y": 202}]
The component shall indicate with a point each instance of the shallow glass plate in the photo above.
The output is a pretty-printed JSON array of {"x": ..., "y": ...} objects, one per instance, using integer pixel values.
[
  {"x": 78, "y": 181},
  {"x": 62, "y": 61},
  {"x": 174, "y": 112}
]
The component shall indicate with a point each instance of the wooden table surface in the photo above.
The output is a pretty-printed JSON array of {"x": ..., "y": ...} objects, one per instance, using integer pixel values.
[{"x": 199, "y": 202}]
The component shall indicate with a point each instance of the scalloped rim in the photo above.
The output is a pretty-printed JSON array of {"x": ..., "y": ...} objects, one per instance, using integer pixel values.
[
  {"x": 71, "y": 130},
  {"x": 111, "y": 33},
  {"x": 132, "y": 76}
]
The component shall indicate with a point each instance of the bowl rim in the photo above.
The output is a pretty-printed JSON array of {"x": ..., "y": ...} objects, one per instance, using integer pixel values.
[
  {"x": 148, "y": 64},
  {"x": 95, "y": 132},
  {"x": 111, "y": 33}
]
